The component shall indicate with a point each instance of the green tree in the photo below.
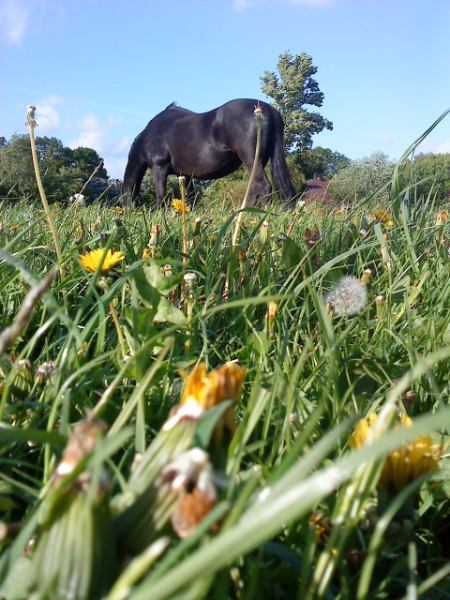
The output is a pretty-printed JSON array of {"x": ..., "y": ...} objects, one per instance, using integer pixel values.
[
  {"x": 63, "y": 170},
  {"x": 87, "y": 160},
  {"x": 431, "y": 173},
  {"x": 321, "y": 162},
  {"x": 292, "y": 89},
  {"x": 363, "y": 177}
]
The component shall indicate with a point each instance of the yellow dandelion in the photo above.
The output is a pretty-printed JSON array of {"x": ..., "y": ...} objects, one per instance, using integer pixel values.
[
  {"x": 180, "y": 206},
  {"x": 272, "y": 310},
  {"x": 146, "y": 253},
  {"x": 209, "y": 389},
  {"x": 442, "y": 217},
  {"x": 206, "y": 390},
  {"x": 92, "y": 261},
  {"x": 406, "y": 463},
  {"x": 383, "y": 216},
  {"x": 319, "y": 523}
]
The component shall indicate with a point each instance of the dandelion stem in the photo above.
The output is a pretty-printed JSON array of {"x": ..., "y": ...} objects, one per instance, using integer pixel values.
[
  {"x": 234, "y": 239},
  {"x": 118, "y": 327},
  {"x": 184, "y": 221},
  {"x": 31, "y": 122},
  {"x": 259, "y": 122}
]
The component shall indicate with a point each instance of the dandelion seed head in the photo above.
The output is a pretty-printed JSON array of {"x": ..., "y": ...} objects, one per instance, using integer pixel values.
[{"x": 348, "y": 296}]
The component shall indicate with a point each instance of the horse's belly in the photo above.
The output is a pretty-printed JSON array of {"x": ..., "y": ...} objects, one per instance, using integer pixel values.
[{"x": 209, "y": 163}]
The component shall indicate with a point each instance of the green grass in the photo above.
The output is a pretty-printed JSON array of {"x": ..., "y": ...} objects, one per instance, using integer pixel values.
[{"x": 309, "y": 376}]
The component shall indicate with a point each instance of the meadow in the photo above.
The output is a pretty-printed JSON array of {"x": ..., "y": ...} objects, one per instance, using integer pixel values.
[{"x": 181, "y": 418}]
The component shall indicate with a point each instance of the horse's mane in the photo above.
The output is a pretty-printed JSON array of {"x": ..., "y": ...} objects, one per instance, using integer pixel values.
[{"x": 174, "y": 105}]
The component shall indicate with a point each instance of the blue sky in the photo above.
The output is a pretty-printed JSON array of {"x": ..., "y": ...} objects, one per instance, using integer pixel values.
[{"x": 99, "y": 70}]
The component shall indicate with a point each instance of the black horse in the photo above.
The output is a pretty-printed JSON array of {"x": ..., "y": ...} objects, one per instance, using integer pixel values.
[{"x": 209, "y": 145}]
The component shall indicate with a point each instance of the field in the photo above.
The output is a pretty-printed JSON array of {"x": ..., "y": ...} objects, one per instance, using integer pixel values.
[{"x": 329, "y": 315}]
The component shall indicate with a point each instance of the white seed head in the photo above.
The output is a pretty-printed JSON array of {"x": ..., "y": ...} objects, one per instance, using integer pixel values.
[
  {"x": 190, "y": 279},
  {"x": 191, "y": 467},
  {"x": 348, "y": 296}
]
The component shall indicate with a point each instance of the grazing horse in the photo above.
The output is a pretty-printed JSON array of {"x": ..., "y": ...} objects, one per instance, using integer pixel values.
[{"x": 210, "y": 145}]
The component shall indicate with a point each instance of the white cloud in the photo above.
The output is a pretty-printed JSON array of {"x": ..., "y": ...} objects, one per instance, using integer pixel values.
[
  {"x": 387, "y": 139},
  {"x": 115, "y": 166},
  {"x": 91, "y": 134},
  {"x": 430, "y": 145},
  {"x": 46, "y": 114},
  {"x": 114, "y": 121},
  {"x": 123, "y": 144},
  {"x": 14, "y": 20},
  {"x": 240, "y": 5}
]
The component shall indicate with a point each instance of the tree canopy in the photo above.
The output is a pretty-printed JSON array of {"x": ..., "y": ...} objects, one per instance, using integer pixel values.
[
  {"x": 64, "y": 171},
  {"x": 321, "y": 162},
  {"x": 292, "y": 89}
]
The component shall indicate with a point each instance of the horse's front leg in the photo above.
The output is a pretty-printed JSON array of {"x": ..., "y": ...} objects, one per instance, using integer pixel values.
[{"x": 160, "y": 173}]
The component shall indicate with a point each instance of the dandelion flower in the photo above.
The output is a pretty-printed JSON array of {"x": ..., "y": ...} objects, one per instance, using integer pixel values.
[
  {"x": 348, "y": 296},
  {"x": 146, "y": 253},
  {"x": 180, "y": 206},
  {"x": 406, "y": 463},
  {"x": 383, "y": 216},
  {"x": 190, "y": 477},
  {"x": 272, "y": 310},
  {"x": 209, "y": 389},
  {"x": 442, "y": 217},
  {"x": 92, "y": 260},
  {"x": 204, "y": 390}
]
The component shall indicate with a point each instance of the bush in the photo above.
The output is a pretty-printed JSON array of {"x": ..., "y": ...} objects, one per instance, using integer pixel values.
[{"x": 363, "y": 177}]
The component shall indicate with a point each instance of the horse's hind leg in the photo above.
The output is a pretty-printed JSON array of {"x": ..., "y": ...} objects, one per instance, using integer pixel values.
[
  {"x": 260, "y": 187},
  {"x": 160, "y": 173}
]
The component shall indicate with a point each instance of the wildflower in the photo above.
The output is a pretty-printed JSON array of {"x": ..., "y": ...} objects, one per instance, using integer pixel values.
[
  {"x": 348, "y": 296},
  {"x": 272, "y": 310},
  {"x": 362, "y": 431},
  {"x": 264, "y": 233},
  {"x": 311, "y": 237},
  {"x": 146, "y": 253},
  {"x": 91, "y": 260},
  {"x": 406, "y": 463},
  {"x": 380, "y": 215},
  {"x": 442, "y": 217},
  {"x": 82, "y": 350},
  {"x": 80, "y": 444},
  {"x": 180, "y": 206},
  {"x": 204, "y": 390},
  {"x": 319, "y": 523},
  {"x": 44, "y": 371},
  {"x": 190, "y": 476},
  {"x": 154, "y": 235},
  {"x": 367, "y": 275},
  {"x": 209, "y": 389}
]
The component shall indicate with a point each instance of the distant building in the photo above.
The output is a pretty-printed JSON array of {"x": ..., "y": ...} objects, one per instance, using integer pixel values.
[{"x": 317, "y": 190}]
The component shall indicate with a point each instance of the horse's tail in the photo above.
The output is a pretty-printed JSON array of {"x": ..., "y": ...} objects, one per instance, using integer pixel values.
[
  {"x": 135, "y": 169},
  {"x": 282, "y": 181}
]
